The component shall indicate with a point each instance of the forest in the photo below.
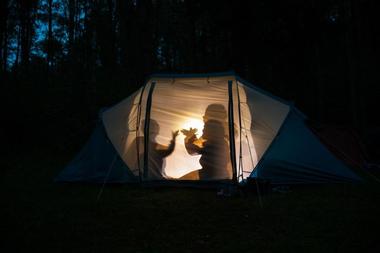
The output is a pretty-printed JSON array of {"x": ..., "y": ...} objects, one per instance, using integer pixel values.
[{"x": 63, "y": 60}]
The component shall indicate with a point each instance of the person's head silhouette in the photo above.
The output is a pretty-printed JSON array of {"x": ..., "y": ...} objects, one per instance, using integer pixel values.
[
  {"x": 154, "y": 128},
  {"x": 215, "y": 119},
  {"x": 215, "y": 112}
]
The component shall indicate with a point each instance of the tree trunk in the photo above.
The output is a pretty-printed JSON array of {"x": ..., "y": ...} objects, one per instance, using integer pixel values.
[
  {"x": 318, "y": 75},
  {"x": 351, "y": 62},
  {"x": 2, "y": 29},
  {"x": 5, "y": 49},
  {"x": 25, "y": 10},
  {"x": 71, "y": 27},
  {"x": 17, "y": 60},
  {"x": 3, "y": 36},
  {"x": 112, "y": 44},
  {"x": 88, "y": 57},
  {"x": 50, "y": 34}
]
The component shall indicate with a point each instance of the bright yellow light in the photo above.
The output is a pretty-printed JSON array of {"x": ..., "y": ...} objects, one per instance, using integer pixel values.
[
  {"x": 194, "y": 123},
  {"x": 180, "y": 162}
]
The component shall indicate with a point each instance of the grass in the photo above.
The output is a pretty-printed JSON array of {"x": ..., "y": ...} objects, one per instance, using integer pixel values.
[{"x": 37, "y": 214}]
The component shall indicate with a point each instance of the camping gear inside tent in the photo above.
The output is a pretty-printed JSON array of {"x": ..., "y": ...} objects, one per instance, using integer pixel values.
[{"x": 204, "y": 128}]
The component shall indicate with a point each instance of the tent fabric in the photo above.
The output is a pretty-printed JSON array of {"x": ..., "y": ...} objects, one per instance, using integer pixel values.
[
  {"x": 176, "y": 104},
  {"x": 179, "y": 103},
  {"x": 297, "y": 156},
  {"x": 262, "y": 117},
  {"x": 192, "y": 128},
  {"x": 97, "y": 162},
  {"x": 121, "y": 125}
]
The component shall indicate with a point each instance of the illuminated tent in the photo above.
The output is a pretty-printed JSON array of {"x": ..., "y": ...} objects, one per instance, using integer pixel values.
[{"x": 242, "y": 131}]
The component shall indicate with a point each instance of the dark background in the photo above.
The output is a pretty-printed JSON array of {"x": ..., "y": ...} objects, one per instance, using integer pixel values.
[{"x": 63, "y": 60}]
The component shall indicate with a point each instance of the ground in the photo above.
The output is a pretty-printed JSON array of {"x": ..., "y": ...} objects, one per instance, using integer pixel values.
[{"x": 38, "y": 214}]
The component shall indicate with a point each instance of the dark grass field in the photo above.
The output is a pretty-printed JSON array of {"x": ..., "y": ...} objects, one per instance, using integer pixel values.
[{"x": 37, "y": 215}]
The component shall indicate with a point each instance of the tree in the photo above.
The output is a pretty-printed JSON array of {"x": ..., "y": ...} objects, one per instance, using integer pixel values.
[
  {"x": 3, "y": 35},
  {"x": 26, "y": 16}
]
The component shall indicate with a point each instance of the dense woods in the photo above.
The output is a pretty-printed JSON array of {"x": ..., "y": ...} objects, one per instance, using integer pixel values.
[{"x": 63, "y": 60}]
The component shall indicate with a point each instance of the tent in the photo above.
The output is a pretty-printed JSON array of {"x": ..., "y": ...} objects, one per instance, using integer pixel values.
[{"x": 204, "y": 128}]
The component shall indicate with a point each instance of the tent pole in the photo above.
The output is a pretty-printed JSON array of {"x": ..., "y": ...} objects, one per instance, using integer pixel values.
[
  {"x": 146, "y": 130},
  {"x": 232, "y": 131},
  {"x": 241, "y": 169},
  {"x": 106, "y": 177},
  {"x": 138, "y": 130},
  {"x": 249, "y": 147}
]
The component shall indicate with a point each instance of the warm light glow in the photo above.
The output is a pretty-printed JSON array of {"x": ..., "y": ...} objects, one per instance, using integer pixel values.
[{"x": 194, "y": 123}]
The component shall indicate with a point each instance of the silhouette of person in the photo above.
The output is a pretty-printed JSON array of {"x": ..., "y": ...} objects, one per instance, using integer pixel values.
[
  {"x": 156, "y": 152},
  {"x": 212, "y": 146}
]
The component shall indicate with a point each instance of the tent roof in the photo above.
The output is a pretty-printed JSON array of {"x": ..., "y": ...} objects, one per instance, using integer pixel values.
[
  {"x": 194, "y": 75},
  {"x": 221, "y": 75}
]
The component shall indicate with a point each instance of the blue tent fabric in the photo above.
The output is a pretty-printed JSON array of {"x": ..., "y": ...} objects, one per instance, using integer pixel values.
[
  {"x": 296, "y": 156},
  {"x": 97, "y": 162}
]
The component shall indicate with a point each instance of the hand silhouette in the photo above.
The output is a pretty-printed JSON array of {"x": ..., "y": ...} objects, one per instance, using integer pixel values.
[
  {"x": 175, "y": 134},
  {"x": 189, "y": 133}
]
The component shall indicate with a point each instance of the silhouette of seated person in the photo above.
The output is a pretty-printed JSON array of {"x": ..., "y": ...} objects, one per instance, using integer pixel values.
[
  {"x": 212, "y": 146},
  {"x": 156, "y": 152}
]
